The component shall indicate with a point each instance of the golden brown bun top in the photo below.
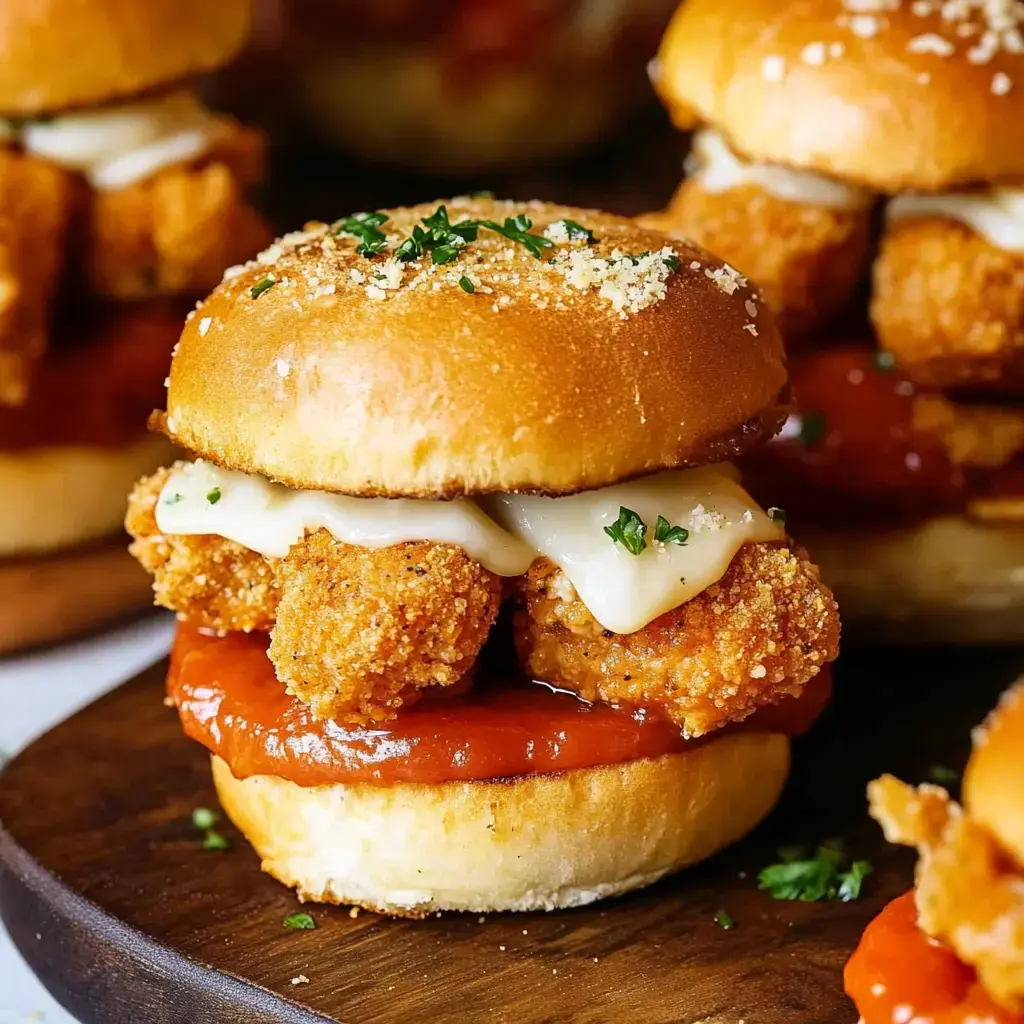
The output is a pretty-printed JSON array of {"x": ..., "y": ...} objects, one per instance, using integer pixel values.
[
  {"x": 887, "y": 93},
  {"x": 76, "y": 53},
  {"x": 994, "y": 780},
  {"x": 498, "y": 371}
]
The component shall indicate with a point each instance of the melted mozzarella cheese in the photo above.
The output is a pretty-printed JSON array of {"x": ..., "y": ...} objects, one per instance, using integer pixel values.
[
  {"x": 117, "y": 146},
  {"x": 624, "y": 591},
  {"x": 718, "y": 169},
  {"x": 504, "y": 533},
  {"x": 997, "y": 215}
]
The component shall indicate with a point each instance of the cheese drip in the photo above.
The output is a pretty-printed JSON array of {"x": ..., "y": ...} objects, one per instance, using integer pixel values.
[
  {"x": 718, "y": 169},
  {"x": 997, "y": 215},
  {"x": 116, "y": 146},
  {"x": 504, "y": 533}
]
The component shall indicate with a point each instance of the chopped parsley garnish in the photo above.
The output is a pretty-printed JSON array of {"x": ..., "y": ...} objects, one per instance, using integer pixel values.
[
  {"x": 203, "y": 818},
  {"x": 885, "y": 362},
  {"x": 777, "y": 515},
  {"x": 300, "y": 922},
  {"x": 809, "y": 879},
  {"x": 668, "y": 534},
  {"x": 725, "y": 920},
  {"x": 672, "y": 262},
  {"x": 439, "y": 237},
  {"x": 265, "y": 285},
  {"x": 942, "y": 775},
  {"x": 173, "y": 499},
  {"x": 364, "y": 226},
  {"x": 213, "y": 840},
  {"x": 466, "y": 285},
  {"x": 578, "y": 233},
  {"x": 812, "y": 428},
  {"x": 629, "y": 530},
  {"x": 213, "y": 496},
  {"x": 517, "y": 229}
]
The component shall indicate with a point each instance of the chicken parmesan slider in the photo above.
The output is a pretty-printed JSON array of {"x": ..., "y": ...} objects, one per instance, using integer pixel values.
[
  {"x": 953, "y": 949},
  {"x": 409, "y": 420}
]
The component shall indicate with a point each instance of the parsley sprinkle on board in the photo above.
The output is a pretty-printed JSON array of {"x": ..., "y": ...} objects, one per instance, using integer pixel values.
[
  {"x": 725, "y": 920},
  {"x": 668, "y": 534},
  {"x": 629, "y": 530},
  {"x": 814, "y": 878},
  {"x": 466, "y": 285},
  {"x": 265, "y": 285},
  {"x": 300, "y": 922}
]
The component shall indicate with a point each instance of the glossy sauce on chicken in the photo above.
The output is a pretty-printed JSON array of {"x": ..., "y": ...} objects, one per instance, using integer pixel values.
[
  {"x": 231, "y": 702},
  {"x": 897, "y": 975}
]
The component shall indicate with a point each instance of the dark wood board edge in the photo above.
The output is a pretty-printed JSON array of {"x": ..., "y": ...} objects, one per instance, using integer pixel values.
[{"x": 103, "y": 971}]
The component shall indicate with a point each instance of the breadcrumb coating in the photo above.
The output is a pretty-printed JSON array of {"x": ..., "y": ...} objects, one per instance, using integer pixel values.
[
  {"x": 807, "y": 260},
  {"x": 35, "y": 206},
  {"x": 950, "y": 306},
  {"x": 757, "y": 635},
  {"x": 969, "y": 893},
  {"x": 356, "y": 633},
  {"x": 982, "y": 436}
]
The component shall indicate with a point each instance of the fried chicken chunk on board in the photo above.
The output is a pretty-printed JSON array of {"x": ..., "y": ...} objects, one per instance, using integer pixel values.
[
  {"x": 969, "y": 893},
  {"x": 35, "y": 205},
  {"x": 757, "y": 635},
  {"x": 356, "y": 633},
  {"x": 175, "y": 233},
  {"x": 807, "y": 260},
  {"x": 950, "y": 306}
]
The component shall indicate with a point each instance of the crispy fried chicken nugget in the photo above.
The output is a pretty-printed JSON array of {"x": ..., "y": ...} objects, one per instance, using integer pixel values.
[
  {"x": 208, "y": 580},
  {"x": 969, "y": 893},
  {"x": 808, "y": 260},
  {"x": 355, "y": 632},
  {"x": 35, "y": 204},
  {"x": 950, "y": 306},
  {"x": 759, "y": 634},
  {"x": 176, "y": 232}
]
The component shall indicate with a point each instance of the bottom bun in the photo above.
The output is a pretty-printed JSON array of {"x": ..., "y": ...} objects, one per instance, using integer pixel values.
[
  {"x": 948, "y": 580},
  {"x": 55, "y": 597},
  {"x": 537, "y": 842}
]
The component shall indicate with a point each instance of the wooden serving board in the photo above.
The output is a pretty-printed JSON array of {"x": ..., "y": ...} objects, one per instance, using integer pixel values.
[{"x": 106, "y": 891}]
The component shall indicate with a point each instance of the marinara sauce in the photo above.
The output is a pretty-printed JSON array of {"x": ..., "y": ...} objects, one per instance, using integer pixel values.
[
  {"x": 898, "y": 975},
  {"x": 231, "y": 702}
]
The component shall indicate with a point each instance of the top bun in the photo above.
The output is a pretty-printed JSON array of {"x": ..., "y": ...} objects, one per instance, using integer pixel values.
[
  {"x": 76, "y": 53},
  {"x": 892, "y": 94},
  {"x": 497, "y": 371},
  {"x": 994, "y": 780}
]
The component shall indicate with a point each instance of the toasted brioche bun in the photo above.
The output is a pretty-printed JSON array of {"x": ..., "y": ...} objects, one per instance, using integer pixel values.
[
  {"x": 76, "y": 53},
  {"x": 327, "y": 380},
  {"x": 531, "y": 843},
  {"x": 993, "y": 786},
  {"x": 947, "y": 580},
  {"x": 55, "y": 597},
  {"x": 873, "y": 108},
  {"x": 61, "y": 497}
]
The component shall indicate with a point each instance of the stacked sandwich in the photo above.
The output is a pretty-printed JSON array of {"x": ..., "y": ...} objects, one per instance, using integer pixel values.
[
  {"x": 404, "y": 421},
  {"x": 842, "y": 142},
  {"x": 121, "y": 200},
  {"x": 953, "y": 950}
]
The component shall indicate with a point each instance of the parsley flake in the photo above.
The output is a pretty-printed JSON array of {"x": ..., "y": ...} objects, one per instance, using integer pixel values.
[
  {"x": 885, "y": 362},
  {"x": 668, "y": 534},
  {"x": 466, "y": 285},
  {"x": 173, "y": 499},
  {"x": 300, "y": 922},
  {"x": 365, "y": 227},
  {"x": 203, "y": 818},
  {"x": 213, "y": 496},
  {"x": 672, "y": 262},
  {"x": 213, "y": 840},
  {"x": 578, "y": 233},
  {"x": 810, "y": 879},
  {"x": 812, "y": 428},
  {"x": 629, "y": 530},
  {"x": 942, "y": 775},
  {"x": 725, "y": 920},
  {"x": 265, "y": 285}
]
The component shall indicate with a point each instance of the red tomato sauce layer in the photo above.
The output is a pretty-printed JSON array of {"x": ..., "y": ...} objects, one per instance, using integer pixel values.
[
  {"x": 231, "y": 702},
  {"x": 897, "y": 975}
]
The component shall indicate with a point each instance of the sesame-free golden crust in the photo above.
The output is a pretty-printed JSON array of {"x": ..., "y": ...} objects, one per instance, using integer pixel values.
[
  {"x": 73, "y": 53},
  {"x": 853, "y": 92},
  {"x": 549, "y": 377}
]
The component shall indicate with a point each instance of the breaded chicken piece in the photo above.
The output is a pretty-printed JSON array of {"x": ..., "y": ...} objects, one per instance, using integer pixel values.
[
  {"x": 355, "y": 633},
  {"x": 982, "y": 436},
  {"x": 969, "y": 893},
  {"x": 950, "y": 306},
  {"x": 759, "y": 634},
  {"x": 175, "y": 233},
  {"x": 360, "y": 632},
  {"x": 35, "y": 205},
  {"x": 807, "y": 260}
]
